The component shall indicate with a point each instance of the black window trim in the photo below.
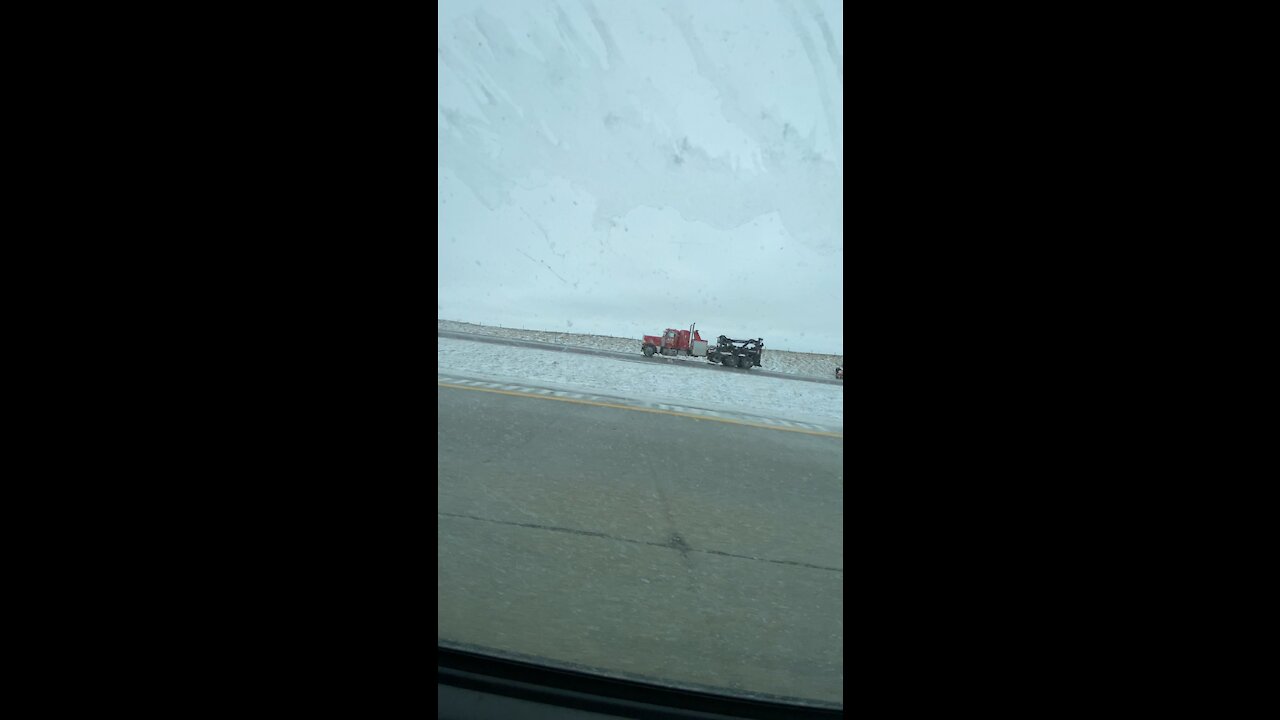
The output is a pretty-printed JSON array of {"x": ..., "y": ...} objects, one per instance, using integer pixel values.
[{"x": 556, "y": 684}]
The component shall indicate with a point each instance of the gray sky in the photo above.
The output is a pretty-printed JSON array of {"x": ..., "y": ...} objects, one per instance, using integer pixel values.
[{"x": 619, "y": 167}]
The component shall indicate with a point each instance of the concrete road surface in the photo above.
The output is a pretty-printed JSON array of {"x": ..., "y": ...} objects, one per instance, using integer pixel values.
[{"x": 642, "y": 543}]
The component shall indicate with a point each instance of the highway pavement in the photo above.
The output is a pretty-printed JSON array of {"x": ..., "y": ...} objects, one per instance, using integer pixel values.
[{"x": 639, "y": 541}]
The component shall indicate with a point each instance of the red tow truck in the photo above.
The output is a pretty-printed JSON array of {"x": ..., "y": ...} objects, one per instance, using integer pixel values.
[{"x": 743, "y": 354}]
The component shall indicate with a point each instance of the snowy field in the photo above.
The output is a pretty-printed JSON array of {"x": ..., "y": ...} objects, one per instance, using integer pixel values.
[
  {"x": 642, "y": 380},
  {"x": 780, "y": 361}
]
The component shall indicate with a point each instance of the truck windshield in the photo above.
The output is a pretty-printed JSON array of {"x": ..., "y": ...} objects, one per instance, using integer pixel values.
[{"x": 613, "y": 496}]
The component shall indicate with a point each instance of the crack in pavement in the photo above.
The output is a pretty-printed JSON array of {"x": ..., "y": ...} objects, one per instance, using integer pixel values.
[{"x": 674, "y": 543}]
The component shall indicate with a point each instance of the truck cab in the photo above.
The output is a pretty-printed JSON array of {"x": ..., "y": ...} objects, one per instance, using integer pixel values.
[{"x": 676, "y": 342}]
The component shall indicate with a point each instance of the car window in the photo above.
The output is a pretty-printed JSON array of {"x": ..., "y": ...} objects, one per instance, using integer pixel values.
[{"x": 616, "y": 179}]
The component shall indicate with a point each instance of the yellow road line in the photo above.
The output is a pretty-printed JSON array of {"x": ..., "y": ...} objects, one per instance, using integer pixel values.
[{"x": 639, "y": 409}]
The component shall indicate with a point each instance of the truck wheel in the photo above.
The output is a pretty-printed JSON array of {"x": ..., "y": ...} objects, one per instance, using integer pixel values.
[
  {"x": 744, "y": 362},
  {"x": 648, "y": 351}
]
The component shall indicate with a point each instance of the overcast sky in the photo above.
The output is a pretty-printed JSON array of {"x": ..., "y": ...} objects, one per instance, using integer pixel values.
[{"x": 618, "y": 167}]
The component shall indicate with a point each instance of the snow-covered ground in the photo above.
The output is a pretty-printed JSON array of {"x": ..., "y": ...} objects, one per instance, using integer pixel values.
[
  {"x": 725, "y": 390},
  {"x": 780, "y": 361}
]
